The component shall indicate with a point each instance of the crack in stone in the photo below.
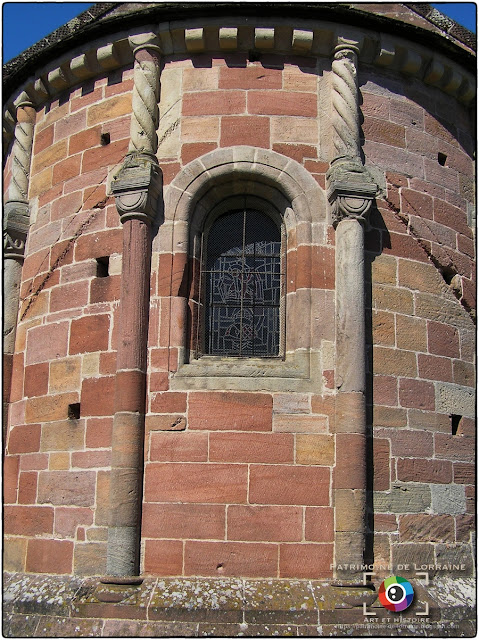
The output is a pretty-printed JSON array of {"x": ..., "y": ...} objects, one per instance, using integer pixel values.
[{"x": 404, "y": 219}]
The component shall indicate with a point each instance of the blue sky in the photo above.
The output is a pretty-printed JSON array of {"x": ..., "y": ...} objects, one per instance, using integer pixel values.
[{"x": 44, "y": 17}]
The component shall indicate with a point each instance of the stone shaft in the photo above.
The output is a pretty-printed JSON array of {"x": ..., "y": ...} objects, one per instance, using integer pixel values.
[
  {"x": 15, "y": 229},
  {"x": 350, "y": 470},
  {"x": 350, "y": 346},
  {"x": 128, "y": 424}
]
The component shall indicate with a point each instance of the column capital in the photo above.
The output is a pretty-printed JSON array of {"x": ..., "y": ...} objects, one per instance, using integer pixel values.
[
  {"x": 345, "y": 49},
  {"x": 16, "y": 221},
  {"x": 136, "y": 187},
  {"x": 143, "y": 41},
  {"x": 23, "y": 101},
  {"x": 351, "y": 191}
]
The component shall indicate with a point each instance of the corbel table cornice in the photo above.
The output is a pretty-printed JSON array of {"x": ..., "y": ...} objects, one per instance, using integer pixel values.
[{"x": 210, "y": 35}]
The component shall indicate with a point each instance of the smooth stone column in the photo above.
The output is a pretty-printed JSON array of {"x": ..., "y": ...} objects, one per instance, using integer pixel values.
[{"x": 16, "y": 221}]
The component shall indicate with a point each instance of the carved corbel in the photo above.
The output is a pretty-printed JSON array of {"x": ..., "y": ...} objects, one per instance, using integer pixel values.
[
  {"x": 351, "y": 192},
  {"x": 15, "y": 229},
  {"x": 351, "y": 202},
  {"x": 137, "y": 186}
]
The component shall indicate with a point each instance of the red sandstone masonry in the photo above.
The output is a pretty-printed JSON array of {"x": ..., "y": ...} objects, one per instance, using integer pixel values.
[
  {"x": 196, "y": 482},
  {"x": 251, "y": 77},
  {"x": 265, "y": 523},
  {"x": 416, "y": 394},
  {"x": 179, "y": 447},
  {"x": 382, "y": 464},
  {"x": 426, "y": 528},
  {"x": 233, "y": 558},
  {"x": 97, "y": 396},
  {"x": 251, "y": 447},
  {"x": 230, "y": 410},
  {"x": 28, "y": 521},
  {"x": 239, "y": 130},
  {"x": 181, "y": 521},
  {"x": 296, "y": 151},
  {"x": 410, "y": 443},
  {"x": 27, "y": 487},
  {"x": 169, "y": 402},
  {"x": 319, "y": 524},
  {"x": 98, "y": 432},
  {"x": 194, "y": 150},
  {"x": 443, "y": 340},
  {"x": 419, "y": 470},
  {"x": 282, "y": 103},
  {"x": 24, "y": 439},
  {"x": 435, "y": 368},
  {"x": 76, "y": 488},
  {"x": 451, "y": 447},
  {"x": 10, "y": 478},
  {"x": 47, "y": 342},
  {"x": 385, "y": 132},
  {"x": 164, "y": 557},
  {"x": 385, "y": 390},
  {"x": 68, "y": 168},
  {"x": 281, "y": 484},
  {"x": 306, "y": 560},
  {"x": 69, "y": 518},
  {"x": 214, "y": 103},
  {"x": 49, "y": 556},
  {"x": 224, "y": 474},
  {"x": 36, "y": 380}
]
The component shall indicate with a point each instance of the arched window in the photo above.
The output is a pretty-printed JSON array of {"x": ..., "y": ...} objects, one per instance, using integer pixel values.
[{"x": 242, "y": 278}]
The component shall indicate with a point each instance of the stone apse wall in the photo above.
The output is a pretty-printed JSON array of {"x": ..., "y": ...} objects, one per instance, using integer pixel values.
[{"x": 361, "y": 144}]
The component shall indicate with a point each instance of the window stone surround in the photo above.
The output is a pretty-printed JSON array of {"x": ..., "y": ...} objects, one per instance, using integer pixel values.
[{"x": 212, "y": 183}]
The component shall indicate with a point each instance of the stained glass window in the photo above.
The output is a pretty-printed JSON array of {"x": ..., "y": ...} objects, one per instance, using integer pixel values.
[{"x": 242, "y": 279}]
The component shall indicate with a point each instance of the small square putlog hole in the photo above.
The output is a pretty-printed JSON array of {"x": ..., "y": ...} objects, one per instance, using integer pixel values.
[
  {"x": 456, "y": 425},
  {"x": 74, "y": 411},
  {"x": 103, "y": 267}
]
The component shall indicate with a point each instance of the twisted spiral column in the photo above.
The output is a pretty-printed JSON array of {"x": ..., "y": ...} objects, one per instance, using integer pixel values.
[
  {"x": 22, "y": 152},
  {"x": 345, "y": 99},
  {"x": 146, "y": 90}
]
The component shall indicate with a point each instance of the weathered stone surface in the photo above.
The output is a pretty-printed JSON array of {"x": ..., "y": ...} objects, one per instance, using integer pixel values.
[
  {"x": 406, "y": 556},
  {"x": 289, "y": 423},
  {"x": 67, "y": 488},
  {"x": 33, "y": 594},
  {"x": 259, "y": 607},
  {"x": 403, "y": 499},
  {"x": 291, "y": 403},
  {"x": 455, "y": 399},
  {"x": 279, "y": 602},
  {"x": 315, "y": 449},
  {"x": 16, "y": 625},
  {"x": 53, "y": 627},
  {"x": 456, "y": 559},
  {"x": 448, "y": 498},
  {"x": 134, "y": 604},
  {"x": 426, "y": 528},
  {"x": 195, "y": 600}
]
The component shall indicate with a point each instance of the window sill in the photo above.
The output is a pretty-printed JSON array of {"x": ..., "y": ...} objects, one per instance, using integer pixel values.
[{"x": 245, "y": 374}]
